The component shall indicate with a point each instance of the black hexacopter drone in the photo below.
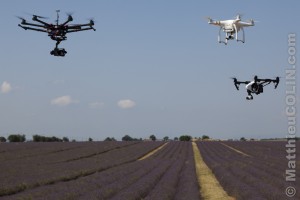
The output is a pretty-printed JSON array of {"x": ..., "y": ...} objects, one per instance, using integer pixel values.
[
  {"x": 255, "y": 86},
  {"x": 56, "y": 31}
]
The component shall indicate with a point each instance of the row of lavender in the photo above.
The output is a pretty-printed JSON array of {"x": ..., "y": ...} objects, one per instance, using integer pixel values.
[
  {"x": 260, "y": 175},
  {"x": 168, "y": 174},
  {"x": 33, "y": 167}
]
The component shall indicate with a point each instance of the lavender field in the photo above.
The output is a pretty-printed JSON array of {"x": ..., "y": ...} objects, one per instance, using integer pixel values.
[
  {"x": 118, "y": 170},
  {"x": 97, "y": 170},
  {"x": 249, "y": 170}
]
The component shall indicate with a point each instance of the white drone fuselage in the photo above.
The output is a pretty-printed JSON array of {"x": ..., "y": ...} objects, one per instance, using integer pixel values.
[
  {"x": 231, "y": 27},
  {"x": 250, "y": 88}
]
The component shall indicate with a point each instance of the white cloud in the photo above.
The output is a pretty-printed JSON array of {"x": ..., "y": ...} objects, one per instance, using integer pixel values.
[
  {"x": 96, "y": 105},
  {"x": 5, "y": 87},
  {"x": 126, "y": 103},
  {"x": 63, "y": 101}
]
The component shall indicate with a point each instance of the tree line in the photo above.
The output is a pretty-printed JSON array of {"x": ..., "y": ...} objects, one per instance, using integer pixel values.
[
  {"x": 35, "y": 138},
  {"x": 40, "y": 138}
]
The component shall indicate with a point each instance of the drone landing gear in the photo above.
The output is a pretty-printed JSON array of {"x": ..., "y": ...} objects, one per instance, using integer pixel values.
[
  {"x": 230, "y": 36},
  {"x": 58, "y": 52},
  {"x": 236, "y": 33},
  {"x": 250, "y": 97},
  {"x": 219, "y": 37}
]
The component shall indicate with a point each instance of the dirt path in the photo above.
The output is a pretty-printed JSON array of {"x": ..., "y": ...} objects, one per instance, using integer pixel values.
[
  {"x": 236, "y": 150},
  {"x": 210, "y": 188},
  {"x": 153, "y": 152}
]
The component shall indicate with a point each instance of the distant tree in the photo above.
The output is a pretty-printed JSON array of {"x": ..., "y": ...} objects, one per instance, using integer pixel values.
[
  {"x": 127, "y": 138},
  {"x": 65, "y": 139},
  {"x": 152, "y": 137},
  {"x": 16, "y": 138},
  {"x": 73, "y": 140},
  {"x": 243, "y": 139},
  {"x": 185, "y": 138},
  {"x": 40, "y": 138},
  {"x": 36, "y": 138},
  {"x": 166, "y": 138},
  {"x": 54, "y": 139},
  {"x": 2, "y": 139},
  {"x": 205, "y": 137},
  {"x": 110, "y": 139},
  {"x": 90, "y": 140},
  {"x": 175, "y": 138}
]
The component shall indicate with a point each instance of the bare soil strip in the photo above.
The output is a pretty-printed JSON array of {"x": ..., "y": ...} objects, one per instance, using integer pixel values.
[
  {"x": 236, "y": 150},
  {"x": 153, "y": 152},
  {"x": 210, "y": 188}
]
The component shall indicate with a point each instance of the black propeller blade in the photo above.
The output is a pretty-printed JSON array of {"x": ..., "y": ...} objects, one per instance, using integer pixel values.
[
  {"x": 69, "y": 14},
  {"x": 277, "y": 81},
  {"x": 41, "y": 17},
  {"x": 255, "y": 78},
  {"x": 21, "y": 18},
  {"x": 38, "y": 16},
  {"x": 236, "y": 84}
]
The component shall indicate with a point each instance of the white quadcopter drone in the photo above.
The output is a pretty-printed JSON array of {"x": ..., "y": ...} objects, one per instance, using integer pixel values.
[
  {"x": 231, "y": 27},
  {"x": 255, "y": 86}
]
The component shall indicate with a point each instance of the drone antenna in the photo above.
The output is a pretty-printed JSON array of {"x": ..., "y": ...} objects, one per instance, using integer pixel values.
[{"x": 57, "y": 14}]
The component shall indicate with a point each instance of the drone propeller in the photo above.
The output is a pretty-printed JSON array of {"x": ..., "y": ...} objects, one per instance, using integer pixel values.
[
  {"x": 251, "y": 21},
  {"x": 41, "y": 17},
  {"x": 234, "y": 79},
  {"x": 239, "y": 16},
  {"x": 209, "y": 19},
  {"x": 21, "y": 18},
  {"x": 276, "y": 81},
  {"x": 255, "y": 78},
  {"x": 236, "y": 84},
  {"x": 69, "y": 13},
  {"x": 38, "y": 16},
  {"x": 92, "y": 21}
]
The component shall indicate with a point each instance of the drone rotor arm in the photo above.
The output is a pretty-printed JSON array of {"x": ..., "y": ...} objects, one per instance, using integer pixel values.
[
  {"x": 33, "y": 29},
  {"x": 37, "y": 25},
  {"x": 265, "y": 83},
  {"x": 76, "y": 27},
  {"x": 40, "y": 21},
  {"x": 82, "y": 29},
  {"x": 68, "y": 20},
  {"x": 237, "y": 83},
  {"x": 245, "y": 24},
  {"x": 89, "y": 24},
  {"x": 243, "y": 82}
]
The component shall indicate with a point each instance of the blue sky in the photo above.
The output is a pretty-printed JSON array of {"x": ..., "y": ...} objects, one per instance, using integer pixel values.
[{"x": 152, "y": 67}]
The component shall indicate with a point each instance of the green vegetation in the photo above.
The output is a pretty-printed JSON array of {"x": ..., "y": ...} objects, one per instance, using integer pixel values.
[
  {"x": 152, "y": 137},
  {"x": 40, "y": 138},
  {"x": 110, "y": 139},
  {"x": 185, "y": 138},
  {"x": 2, "y": 139},
  {"x": 205, "y": 137},
  {"x": 16, "y": 138},
  {"x": 128, "y": 138}
]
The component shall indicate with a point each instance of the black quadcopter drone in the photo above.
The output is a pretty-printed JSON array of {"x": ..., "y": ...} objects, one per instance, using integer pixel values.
[
  {"x": 255, "y": 86},
  {"x": 56, "y": 31}
]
